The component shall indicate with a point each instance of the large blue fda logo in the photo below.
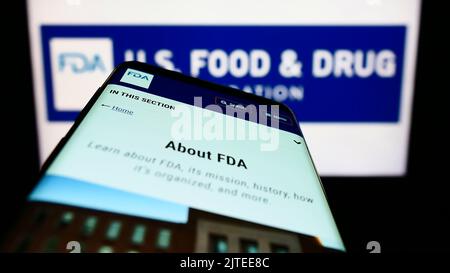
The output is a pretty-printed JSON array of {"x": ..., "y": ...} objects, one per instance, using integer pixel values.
[
  {"x": 76, "y": 68},
  {"x": 80, "y": 63},
  {"x": 324, "y": 73}
]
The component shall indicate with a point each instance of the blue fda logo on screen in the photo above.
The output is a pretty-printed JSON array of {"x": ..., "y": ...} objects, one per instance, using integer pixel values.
[
  {"x": 78, "y": 62},
  {"x": 74, "y": 68},
  {"x": 348, "y": 73},
  {"x": 137, "y": 78}
]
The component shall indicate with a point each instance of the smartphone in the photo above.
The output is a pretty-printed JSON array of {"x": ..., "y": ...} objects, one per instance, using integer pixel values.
[{"x": 161, "y": 162}]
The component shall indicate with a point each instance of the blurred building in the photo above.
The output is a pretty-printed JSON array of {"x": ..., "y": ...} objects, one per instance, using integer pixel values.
[{"x": 49, "y": 227}]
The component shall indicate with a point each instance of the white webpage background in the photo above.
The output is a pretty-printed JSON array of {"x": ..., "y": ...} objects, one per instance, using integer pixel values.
[{"x": 338, "y": 149}]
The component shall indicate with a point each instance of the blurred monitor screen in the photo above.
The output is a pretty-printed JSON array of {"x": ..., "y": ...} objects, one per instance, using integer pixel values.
[{"x": 346, "y": 68}]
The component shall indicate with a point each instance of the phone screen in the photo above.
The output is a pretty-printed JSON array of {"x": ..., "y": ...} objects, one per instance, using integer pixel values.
[{"x": 160, "y": 162}]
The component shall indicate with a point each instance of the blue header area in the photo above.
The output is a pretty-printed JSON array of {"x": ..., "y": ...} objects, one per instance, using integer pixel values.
[
  {"x": 324, "y": 73},
  {"x": 185, "y": 92}
]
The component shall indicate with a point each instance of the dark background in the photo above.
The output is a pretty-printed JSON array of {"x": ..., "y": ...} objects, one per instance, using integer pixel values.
[{"x": 407, "y": 213}]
